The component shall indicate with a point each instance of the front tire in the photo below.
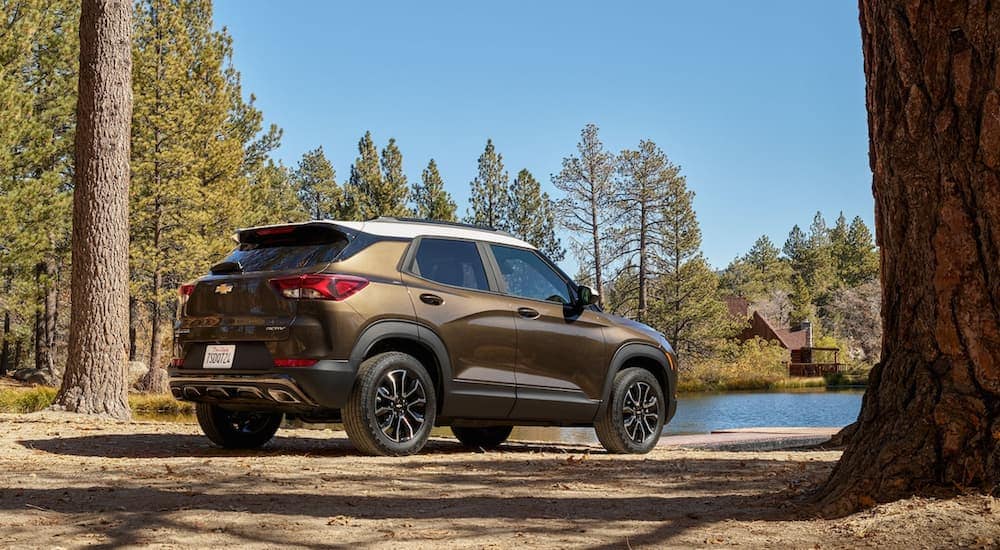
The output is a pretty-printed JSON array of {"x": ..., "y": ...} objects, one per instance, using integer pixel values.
[
  {"x": 237, "y": 429},
  {"x": 634, "y": 416},
  {"x": 392, "y": 407},
  {"x": 482, "y": 438}
]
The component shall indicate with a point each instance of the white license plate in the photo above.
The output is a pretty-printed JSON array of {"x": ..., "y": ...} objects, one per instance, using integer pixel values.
[{"x": 219, "y": 357}]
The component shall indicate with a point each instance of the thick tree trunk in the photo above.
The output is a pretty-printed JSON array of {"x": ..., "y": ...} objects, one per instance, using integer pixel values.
[
  {"x": 931, "y": 415},
  {"x": 95, "y": 380}
]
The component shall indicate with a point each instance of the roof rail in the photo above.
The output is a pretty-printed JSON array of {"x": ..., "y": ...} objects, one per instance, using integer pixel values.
[{"x": 436, "y": 222}]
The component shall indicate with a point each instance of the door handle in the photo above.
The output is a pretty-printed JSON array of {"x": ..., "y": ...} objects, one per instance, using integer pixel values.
[
  {"x": 527, "y": 313},
  {"x": 431, "y": 299}
]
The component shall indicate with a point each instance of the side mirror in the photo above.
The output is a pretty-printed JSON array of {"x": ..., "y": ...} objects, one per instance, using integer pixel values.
[{"x": 587, "y": 296}]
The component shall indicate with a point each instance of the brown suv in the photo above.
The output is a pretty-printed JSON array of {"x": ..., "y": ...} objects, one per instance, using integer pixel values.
[{"x": 395, "y": 326}]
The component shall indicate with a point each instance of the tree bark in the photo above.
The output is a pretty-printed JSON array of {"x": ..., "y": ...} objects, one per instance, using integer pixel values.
[
  {"x": 95, "y": 381},
  {"x": 45, "y": 317},
  {"x": 930, "y": 420}
]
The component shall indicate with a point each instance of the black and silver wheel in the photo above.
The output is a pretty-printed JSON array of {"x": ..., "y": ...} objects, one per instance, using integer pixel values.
[
  {"x": 486, "y": 438},
  {"x": 237, "y": 429},
  {"x": 633, "y": 418},
  {"x": 392, "y": 406}
]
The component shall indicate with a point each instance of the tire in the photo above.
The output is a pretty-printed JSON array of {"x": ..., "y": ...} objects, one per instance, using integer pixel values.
[
  {"x": 482, "y": 438},
  {"x": 619, "y": 429},
  {"x": 237, "y": 429},
  {"x": 392, "y": 406}
]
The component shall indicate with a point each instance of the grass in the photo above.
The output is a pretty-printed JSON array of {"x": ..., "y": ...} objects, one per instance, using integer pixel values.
[
  {"x": 27, "y": 400},
  {"x": 747, "y": 383}
]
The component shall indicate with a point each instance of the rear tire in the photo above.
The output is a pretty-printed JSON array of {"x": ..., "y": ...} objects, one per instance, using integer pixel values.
[
  {"x": 633, "y": 419},
  {"x": 392, "y": 407},
  {"x": 237, "y": 429},
  {"x": 486, "y": 439}
]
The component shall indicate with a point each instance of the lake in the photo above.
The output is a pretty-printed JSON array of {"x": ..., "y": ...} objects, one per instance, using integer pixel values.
[{"x": 702, "y": 413}]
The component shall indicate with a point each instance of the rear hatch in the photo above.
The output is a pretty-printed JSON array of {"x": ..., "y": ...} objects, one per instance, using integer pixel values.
[{"x": 237, "y": 302}]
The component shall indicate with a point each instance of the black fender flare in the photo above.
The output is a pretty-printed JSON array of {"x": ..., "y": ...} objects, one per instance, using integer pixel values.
[
  {"x": 406, "y": 330},
  {"x": 632, "y": 350}
]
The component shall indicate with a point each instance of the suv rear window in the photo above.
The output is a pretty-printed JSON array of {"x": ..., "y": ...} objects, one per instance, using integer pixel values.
[
  {"x": 455, "y": 263},
  {"x": 282, "y": 248}
]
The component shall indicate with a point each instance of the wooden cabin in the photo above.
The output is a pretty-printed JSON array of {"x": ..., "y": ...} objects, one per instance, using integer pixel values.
[{"x": 803, "y": 358}]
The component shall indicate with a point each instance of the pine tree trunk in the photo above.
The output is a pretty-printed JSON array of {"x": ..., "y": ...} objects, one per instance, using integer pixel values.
[
  {"x": 95, "y": 380},
  {"x": 931, "y": 415},
  {"x": 596, "y": 237},
  {"x": 45, "y": 318},
  {"x": 643, "y": 227},
  {"x": 5, "y": 346},
  {"x": 133, "y": 327}
]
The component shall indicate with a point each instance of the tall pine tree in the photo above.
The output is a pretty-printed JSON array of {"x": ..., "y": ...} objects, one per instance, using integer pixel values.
[
  {"x": 587, "y": 208},
  {"x": 390, "y": 198},
  {"x": 189, "y": 156},
  {"x": 488, "y": 201},
  {"x": 316, "y": 183},
  {"x": 532, "y": 217},
  {"x": 430, "y": 199}
]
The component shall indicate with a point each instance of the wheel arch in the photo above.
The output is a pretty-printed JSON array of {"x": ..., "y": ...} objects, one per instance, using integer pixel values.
[
  {"x": 645, "y": 356},
  {"x": 411, "y": 338}
]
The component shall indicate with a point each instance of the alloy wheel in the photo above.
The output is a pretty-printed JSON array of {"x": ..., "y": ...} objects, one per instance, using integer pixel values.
[
  {"x": 640, "y": 412},
  {"x": 400, "y": 405}
]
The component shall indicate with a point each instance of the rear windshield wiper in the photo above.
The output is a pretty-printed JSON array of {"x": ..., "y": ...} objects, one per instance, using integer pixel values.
[{"x": 227, "y": 267}]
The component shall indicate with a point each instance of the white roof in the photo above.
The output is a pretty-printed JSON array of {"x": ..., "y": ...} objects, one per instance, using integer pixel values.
[{"x": 409, "y": 230}]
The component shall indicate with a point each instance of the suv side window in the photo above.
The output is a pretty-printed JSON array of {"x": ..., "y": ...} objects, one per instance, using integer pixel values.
[
  {"x": 449, "y": 262},
  {"x": 528, "y": 276}
]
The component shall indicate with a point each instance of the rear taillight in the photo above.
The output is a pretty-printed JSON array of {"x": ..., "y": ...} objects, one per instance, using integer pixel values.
[
  {"x": 319, "y": 287},
  {"x": 183, "y": 295},
  {"x": 176, "y": 362},
  {"x": 294, "y": 362}
]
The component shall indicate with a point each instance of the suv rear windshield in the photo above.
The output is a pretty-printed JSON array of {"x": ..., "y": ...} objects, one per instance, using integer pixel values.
[{"x": 283, "y": 248}]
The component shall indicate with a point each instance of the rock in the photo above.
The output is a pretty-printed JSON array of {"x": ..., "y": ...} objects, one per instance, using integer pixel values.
[
  {"x": 33, "y": 376},
  {"x": 136, "y": 372}
]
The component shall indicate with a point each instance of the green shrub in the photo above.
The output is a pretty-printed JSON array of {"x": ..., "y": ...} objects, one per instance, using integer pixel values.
[{"x": 26, "y": 400}]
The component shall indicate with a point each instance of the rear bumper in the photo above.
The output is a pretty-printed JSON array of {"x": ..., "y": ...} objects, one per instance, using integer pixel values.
[{"x": 325, "y": 385}]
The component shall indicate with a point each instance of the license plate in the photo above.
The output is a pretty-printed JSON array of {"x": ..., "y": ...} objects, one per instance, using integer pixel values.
[{"x": 219, "y": 357}]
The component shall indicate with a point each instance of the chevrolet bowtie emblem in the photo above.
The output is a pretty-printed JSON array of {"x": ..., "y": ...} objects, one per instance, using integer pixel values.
[{"x": 224, "y": 288}]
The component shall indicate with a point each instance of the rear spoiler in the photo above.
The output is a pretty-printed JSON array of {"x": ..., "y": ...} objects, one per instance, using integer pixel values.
[{"x": 291, "y": 234}]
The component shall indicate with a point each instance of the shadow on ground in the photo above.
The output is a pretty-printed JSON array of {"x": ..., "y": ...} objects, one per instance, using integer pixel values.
[
  {"x": 522, "y": 489},
  {"x": 175, "y": 445}
]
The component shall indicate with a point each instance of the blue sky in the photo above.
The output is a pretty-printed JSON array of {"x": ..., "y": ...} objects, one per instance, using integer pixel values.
[{"x": 760, "y": 103}]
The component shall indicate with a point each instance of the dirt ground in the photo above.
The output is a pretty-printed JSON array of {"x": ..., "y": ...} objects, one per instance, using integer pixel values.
[{"x": 71, "y": 481}]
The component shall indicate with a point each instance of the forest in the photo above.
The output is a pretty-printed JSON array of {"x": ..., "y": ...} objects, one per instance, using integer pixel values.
[{"x": 203, "y": 163}]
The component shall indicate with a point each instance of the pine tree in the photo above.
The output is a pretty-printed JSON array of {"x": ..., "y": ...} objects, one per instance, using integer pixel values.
[
  {"x": 759, "y": 272},
  {"x": 366, "y": 175},
  {"x": 189, "y": 151},
  {"x": 38, "y": 53},
  {"x": 431, "y": 201},
  {"x": 316, "y": 183},
  {"x": 489, "y": 203},
  {"x": 587, "y": 207},
  {"x": 802, "y": 300},
  {"x": 390, "y": 198},
  {"x": 531, "y": 216},
  {"x": 643, "y": 191},
  {"x": 686, "y": 306},
  {"x": 821, "y": 272},
  {"x": 274, "y": 197},
  {"x": 857, "y": 261},
  {"x": 377, "y": 186}
]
